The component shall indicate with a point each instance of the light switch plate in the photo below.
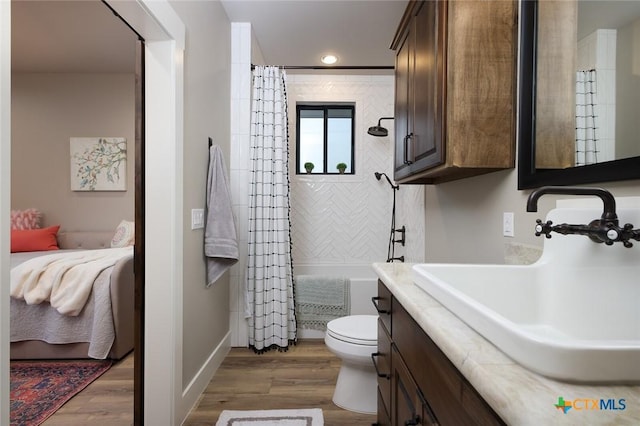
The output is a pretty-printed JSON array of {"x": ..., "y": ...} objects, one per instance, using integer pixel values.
[
  {"x": 197, "y": 218},
  {"x": 507, "y": 224}
]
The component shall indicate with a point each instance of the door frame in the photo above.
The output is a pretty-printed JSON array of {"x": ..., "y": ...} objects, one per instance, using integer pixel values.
[
  {"x": 161, "y": 370},
  {"x": 5, "y": 202}
]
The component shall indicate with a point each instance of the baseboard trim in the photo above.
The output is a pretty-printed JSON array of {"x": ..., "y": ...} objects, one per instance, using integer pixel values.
[{"x": 192, "y": 392}]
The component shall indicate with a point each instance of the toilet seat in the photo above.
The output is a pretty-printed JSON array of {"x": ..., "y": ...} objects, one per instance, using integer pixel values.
[{"x": 355, "y": 329}]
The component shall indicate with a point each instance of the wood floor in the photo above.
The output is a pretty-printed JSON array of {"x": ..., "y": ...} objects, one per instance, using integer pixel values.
[
  {"x": 107, "y": 401},
  {"x": 303, "y": 377}
]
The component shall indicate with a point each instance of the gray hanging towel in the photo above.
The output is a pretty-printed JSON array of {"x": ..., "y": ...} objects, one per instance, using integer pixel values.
[{"x": 220, "y": 238}]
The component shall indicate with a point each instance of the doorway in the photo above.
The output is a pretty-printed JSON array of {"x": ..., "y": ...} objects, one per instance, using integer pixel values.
[
  {"x": 164, "y": 33},
  {"x": 86, "y": 40}
]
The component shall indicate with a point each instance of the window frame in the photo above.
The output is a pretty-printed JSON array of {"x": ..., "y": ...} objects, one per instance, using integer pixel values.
[{"x": 325, "y": 107}]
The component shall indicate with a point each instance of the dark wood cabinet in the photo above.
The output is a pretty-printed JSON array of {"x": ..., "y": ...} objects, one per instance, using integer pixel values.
[
  {"x": 406, "y": 403},
  {"x": 382, "y": 358},
  {"x": 455, "y": 89},
  {"x": 419, "y": 79},
  {"x": 424, "y": 387}
]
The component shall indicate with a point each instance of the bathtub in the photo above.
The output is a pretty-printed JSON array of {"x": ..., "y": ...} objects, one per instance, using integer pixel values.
[{"x": 363, "y": 286}]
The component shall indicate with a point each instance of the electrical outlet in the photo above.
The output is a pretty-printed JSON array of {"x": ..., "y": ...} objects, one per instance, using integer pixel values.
[
  {"x": 507, "y": 224},
  {"x": 197, "y": 218}
]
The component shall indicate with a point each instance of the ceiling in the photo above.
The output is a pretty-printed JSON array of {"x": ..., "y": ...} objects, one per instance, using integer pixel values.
[
  {"x": 69, "y": 36},
  {"x": 299, "y": 32},
  {"x": 84, "y": 36},
  {"x": 605, "y": 14}
]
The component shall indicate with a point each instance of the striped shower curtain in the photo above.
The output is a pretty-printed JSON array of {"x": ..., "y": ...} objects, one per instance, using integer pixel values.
[
  {"x": 272, "y": 322},
  {"x": 586, "y": 116}
]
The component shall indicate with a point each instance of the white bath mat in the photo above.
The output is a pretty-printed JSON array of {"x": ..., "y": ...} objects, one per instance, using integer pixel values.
[{"x": 306, "y": 417}]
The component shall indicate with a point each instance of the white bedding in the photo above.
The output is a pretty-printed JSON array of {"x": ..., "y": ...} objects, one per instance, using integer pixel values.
[
  {"x": 64, "y": 279},
  {"x": 93, "y": 325}
]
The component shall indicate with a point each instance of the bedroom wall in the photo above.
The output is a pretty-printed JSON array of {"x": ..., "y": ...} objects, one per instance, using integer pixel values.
[{"x": 48, "y": 109}]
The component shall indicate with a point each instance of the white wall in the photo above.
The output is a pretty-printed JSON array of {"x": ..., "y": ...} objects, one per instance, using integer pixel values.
[
  {"x": 628, "y": 87},
  {"x": 346, "y": 219},
  {"x": 47, "y": 110},
  {"x": 207, "y": 76},
  {"x": 241, "y": 54},
  {"x": 464, "y": 218}
]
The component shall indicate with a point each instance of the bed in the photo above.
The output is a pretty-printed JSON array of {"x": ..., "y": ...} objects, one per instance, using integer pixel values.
[{"x": 104, "y": 326}]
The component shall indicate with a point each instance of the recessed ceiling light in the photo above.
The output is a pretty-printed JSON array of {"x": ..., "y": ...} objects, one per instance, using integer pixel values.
[{"x": 329, "y": 59}]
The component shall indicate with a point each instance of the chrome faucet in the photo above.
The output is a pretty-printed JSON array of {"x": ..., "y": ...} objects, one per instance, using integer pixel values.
[{"x": 604, "y": 230}]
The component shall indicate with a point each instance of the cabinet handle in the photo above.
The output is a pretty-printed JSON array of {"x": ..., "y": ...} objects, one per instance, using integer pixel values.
[
  {"x": 406, "y": 149},
  {"x": 375, "y": 365},
  {"x": 375, "y": 299}
]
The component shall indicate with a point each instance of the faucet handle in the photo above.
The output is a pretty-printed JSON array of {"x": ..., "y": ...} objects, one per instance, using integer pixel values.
[
  {"x": 628, "y": 233},
  {"x": 543, "y": 228}
]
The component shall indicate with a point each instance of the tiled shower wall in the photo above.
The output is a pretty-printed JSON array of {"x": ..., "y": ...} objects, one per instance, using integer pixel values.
[
  {"x": 346, "y": 219},
  {"x": 337, "y": 221},
  {"x": 239, "y": 171}
]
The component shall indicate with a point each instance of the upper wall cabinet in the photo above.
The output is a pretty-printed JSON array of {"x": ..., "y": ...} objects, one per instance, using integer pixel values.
[{"x": 455, "y": 90}]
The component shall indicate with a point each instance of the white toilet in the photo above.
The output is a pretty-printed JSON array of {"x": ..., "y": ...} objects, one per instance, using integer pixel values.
[{"x": 353, "y": 339}]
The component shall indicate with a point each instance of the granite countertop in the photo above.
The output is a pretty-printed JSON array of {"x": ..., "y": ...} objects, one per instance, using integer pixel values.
[{"x": 518, "y": 395}]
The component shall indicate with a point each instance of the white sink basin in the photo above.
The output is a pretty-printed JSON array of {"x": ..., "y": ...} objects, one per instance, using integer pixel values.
[{"x": 574, "y": 315}]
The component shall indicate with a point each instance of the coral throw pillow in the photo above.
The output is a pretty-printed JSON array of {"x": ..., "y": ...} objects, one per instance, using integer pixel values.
[
  {"x": 34, "y": 239},
  {"x": 26, "y": 219},
  {"x": 125, "y": 235}
]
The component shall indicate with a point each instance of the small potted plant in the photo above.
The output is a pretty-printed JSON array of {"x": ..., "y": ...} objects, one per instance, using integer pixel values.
[
  {"x": 308, "y": 166},
  {"x": 341, "y": 167}
]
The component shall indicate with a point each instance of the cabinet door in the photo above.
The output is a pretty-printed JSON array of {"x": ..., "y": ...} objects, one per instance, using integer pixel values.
[
  {"x": 427, "y": 148},
  {"x": 420, "y": 91},
  {"x": 382, "y": 363},
  {"x": 408, "y": 405},
  {"x": 383, "y": 415},
  {"x": 402, "y": 125},
  {"x": 453, "y": 400}
]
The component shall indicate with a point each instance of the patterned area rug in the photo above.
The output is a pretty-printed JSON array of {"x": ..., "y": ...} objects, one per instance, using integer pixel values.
[
  {"x": 307, "y": 417},
  {"x": 40, "y": 388}
]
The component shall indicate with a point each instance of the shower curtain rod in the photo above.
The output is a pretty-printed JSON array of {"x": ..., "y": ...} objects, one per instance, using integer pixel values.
[{"x": 330, "y": 67}]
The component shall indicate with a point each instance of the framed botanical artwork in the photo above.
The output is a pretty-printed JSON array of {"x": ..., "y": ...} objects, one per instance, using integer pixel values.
[{"x": 98, "y": 164}]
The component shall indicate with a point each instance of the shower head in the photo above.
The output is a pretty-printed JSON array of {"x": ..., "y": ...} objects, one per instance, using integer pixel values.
[
  {"x": 379, "y": 175},
  {"x": 378, "y": 130}
]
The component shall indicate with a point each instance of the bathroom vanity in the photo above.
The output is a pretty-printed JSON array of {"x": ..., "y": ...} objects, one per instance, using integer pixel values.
[
  {"x": 434, "y": 369},
  {"x": 418, "y": 385}
]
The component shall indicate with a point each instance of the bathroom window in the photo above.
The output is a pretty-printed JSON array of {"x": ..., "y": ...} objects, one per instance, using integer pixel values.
[{"x": 325, "y": 139}]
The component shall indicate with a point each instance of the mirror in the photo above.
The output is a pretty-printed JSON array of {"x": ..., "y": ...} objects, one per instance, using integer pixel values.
[{"x": 579, "y": 85}]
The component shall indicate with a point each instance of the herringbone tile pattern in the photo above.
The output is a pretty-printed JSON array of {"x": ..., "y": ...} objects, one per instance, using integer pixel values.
[{"x": 345, "y": 219}]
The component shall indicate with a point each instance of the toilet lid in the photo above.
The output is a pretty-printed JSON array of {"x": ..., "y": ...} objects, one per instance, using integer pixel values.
[{"x": 358, "y": 329}]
